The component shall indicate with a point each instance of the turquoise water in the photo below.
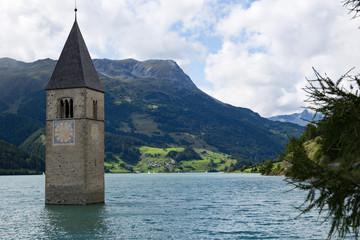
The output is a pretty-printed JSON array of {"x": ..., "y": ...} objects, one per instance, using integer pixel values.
[{"x": 161, "y": 206}]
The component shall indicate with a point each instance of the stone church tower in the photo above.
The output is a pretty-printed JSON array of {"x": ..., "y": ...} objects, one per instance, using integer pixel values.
[{"x": 74, "y": 128}]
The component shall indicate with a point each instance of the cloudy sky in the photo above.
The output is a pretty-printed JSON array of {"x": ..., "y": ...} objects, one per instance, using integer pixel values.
[{"x": 253, "y": 54}]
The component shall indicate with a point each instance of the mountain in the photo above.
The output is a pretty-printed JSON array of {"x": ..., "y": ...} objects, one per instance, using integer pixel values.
[
  {"x": 22, "y": 98},
  {"x": 13, "y": 160},
  {"x": 35, "y": 143},
  {"x": 301, "y": 119},
  {"x": 151, "y": 103}
]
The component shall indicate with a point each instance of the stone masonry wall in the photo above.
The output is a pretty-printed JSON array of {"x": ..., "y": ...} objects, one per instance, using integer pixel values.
[{"x": 75, "y": 172}]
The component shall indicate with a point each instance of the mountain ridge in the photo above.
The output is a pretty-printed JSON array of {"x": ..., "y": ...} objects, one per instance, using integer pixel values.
[
  {"x": 301, "y": 118},
  {"x": 155, "y": 102}
]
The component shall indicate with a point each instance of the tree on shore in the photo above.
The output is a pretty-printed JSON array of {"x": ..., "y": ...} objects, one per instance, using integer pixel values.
[
  {"x": 266, "y": 167},
  {"x": 333, "y": 181}
]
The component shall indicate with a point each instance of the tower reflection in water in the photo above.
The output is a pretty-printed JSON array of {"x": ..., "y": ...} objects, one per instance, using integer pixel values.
[{"x": 75, "y": 222}]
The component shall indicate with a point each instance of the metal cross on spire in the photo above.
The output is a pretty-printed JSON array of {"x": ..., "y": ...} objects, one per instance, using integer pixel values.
[{"x": 75, "y": 11}]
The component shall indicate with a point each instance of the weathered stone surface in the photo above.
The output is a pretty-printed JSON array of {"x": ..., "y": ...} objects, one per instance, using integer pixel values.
[
  {"x": 59, "y": 194},
  {"x": 75, "y": 171},
  {"x": 83, "y": 102}
]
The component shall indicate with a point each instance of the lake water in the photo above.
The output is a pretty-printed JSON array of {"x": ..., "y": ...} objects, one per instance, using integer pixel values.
[{"x": 161, "y": 206}]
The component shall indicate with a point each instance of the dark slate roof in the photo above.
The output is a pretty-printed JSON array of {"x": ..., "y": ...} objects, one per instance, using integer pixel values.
[{"x": 75, "y": 68}]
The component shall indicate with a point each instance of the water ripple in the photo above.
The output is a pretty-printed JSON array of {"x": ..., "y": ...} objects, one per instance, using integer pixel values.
[{"x": 161, "y": 206}]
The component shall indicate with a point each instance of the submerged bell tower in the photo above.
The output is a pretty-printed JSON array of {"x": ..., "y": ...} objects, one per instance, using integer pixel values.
[{"x": 74, "y": 127}]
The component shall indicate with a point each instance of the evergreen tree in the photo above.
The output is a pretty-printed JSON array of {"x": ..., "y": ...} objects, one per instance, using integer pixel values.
[
  {"x": 333, "y": 181},
  {"x": 353, "y": 6},
  {"x": 266, "y": 167},
  {"x": 186, "y": 155}
]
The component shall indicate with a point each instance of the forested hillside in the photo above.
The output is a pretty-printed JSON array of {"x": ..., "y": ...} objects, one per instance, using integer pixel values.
[
  {"x": 152, "y": 103},
  {"x": 13, "y": 160}
]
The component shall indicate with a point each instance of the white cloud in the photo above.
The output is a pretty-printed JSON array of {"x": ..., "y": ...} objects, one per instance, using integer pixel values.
[
  {"x": 118, "y": 29},
  {"x": 29, "y": 30},
  {"x": 144, "y": 29},
  {"x": 269, "y": 48},
  {"x": 256, "y": 53}
]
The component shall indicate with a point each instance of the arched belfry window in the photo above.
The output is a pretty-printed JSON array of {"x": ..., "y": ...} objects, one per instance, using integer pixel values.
[
  {"x": 61, "y": 109},
  {"x": 94, "y": 109},
  {"x": 71, "y": 109},
  {"x": 65, "y": 108}
]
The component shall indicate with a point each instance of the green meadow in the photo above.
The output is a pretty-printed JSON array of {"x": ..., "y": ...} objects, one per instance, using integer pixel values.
[{"x": 156, "y": 160}]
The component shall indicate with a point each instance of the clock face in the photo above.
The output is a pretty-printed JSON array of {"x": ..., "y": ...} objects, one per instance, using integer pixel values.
[{"x": 64, "y": 132}]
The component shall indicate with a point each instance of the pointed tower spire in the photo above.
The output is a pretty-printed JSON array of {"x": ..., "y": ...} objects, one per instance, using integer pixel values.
[{"x": 75, "y": 68}]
